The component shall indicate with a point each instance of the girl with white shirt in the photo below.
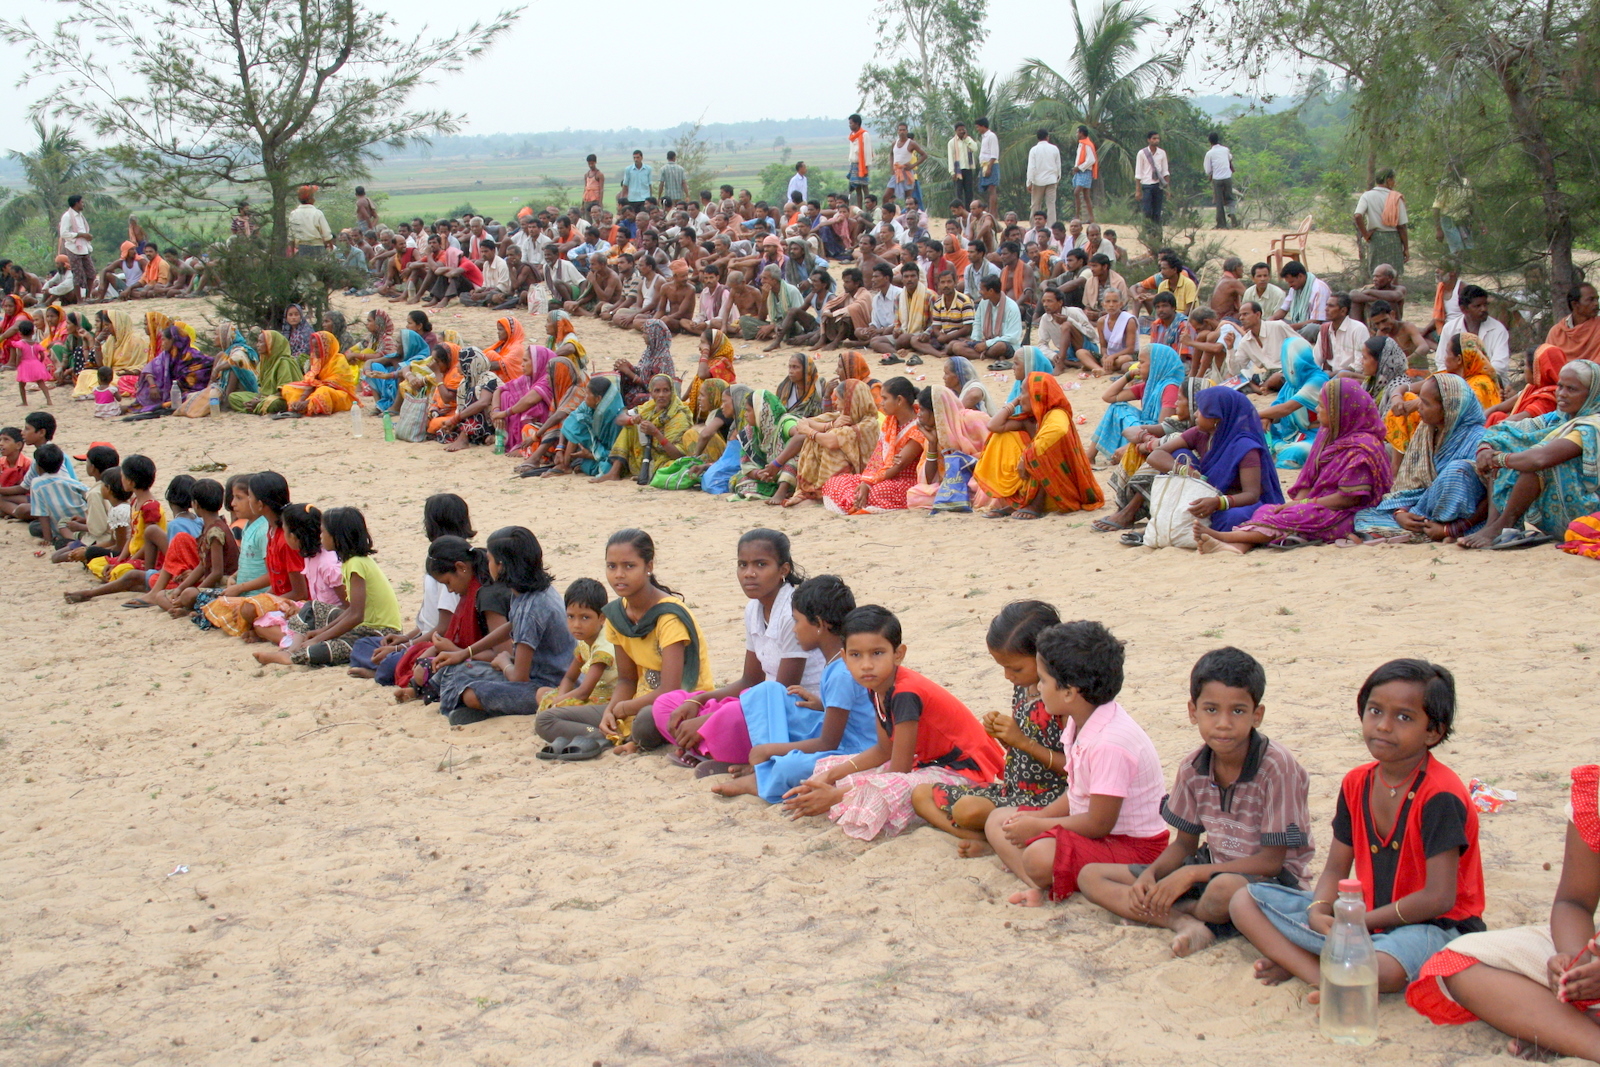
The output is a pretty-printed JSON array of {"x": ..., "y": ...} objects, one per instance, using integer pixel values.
[{"x": 709, "y": 728}]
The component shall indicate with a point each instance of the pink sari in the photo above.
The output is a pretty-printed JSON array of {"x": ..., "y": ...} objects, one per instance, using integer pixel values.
[{"x": 536, "y": 380}]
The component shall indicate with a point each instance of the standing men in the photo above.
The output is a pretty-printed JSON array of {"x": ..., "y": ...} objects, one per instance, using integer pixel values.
[
  {"x": 309, "y": 233},
  {"x": 1044, "y": 174},
  {"x": 366, "y": 213},
  {"x": 594, "y": 181},
  {"x": 905, "y": 156},
  {"x": 674, "y": 181},
  {"x": 989, "y": 165},
  {"x": 1085, "y": 171},
  {"x": 76, "y": 244},
  {"x": 961, "y": 157},
  {"x": 799, "y": 183},
  {"x": 636, "y": 182},
  {"x": 1383, "y": 224},
  {"x": 1153, "y": 175},
  {"x": 1219, "y": 168},
  {"x": 859, "y": 159}
]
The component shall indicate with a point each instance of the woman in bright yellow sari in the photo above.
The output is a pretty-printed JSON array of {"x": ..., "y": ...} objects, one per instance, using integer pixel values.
[{"x": 330, "y": 382}]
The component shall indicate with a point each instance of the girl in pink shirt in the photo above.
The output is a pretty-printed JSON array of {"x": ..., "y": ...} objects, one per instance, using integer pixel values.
[{"x": 1111, "y": 811}]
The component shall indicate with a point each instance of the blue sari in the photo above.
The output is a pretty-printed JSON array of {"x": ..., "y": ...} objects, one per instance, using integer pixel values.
[
  {"x": 595, "y": 428},
  {"x": 387, "y": 390},
  {"x": 1238, "y": 434},
  {"x": 1303, "y": 380},
  {"x": 1034, "y": 362},
  {"x": 1162, "y": 369},
  {"x": 1431, "y": 482},
  {"x": 1568, "y": 490}
]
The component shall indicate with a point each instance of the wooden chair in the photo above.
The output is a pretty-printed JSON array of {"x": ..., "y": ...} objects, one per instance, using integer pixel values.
[{"x": 1290, "y": 246}]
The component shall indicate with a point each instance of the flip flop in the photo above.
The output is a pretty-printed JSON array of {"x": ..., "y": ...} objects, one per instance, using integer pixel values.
[
  {"x": 1001, "y": 364},
  {"x": 1293, "y": 541},
  {"x": 1025, "y": 515},
  {"x": 889, "y": 361},
  {"x": 1106, "y": 526},
  {"x": 1510, "y": 540},
  {"x": 138, "y": 604},
  {"x": 1132, "y": 538},
  {"x": 585, "y": 747},
  {"x": 914, "y": 361},
  {"x": 536, "y": 472},
  {"x": 685, "y": 759},
  {"x": 554, "y": 749},
  {"x": 711, "y": 767},
  {"x": 998, "y": 513}
]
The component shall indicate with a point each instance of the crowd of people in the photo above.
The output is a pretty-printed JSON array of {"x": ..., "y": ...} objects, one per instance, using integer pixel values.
[{"x": 827, "y": 719}]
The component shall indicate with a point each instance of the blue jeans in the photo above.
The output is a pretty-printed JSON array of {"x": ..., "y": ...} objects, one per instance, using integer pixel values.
[
  {"x": 1151, "y": 199},
  {"x": 1288, "y": 910}
]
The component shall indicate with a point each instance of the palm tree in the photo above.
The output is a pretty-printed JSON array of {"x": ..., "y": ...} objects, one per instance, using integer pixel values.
[
  {"x": 60, "y": 166},
  {"x": 1104, "y": 86},
  {"x": 974, "y": 96}
]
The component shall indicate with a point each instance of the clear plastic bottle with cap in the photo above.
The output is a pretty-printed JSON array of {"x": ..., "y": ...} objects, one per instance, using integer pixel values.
[
  {"x": 175, "y": 398},
  {"x": 355, "y": 419},
  {"x": 1349, "y": 1013}
]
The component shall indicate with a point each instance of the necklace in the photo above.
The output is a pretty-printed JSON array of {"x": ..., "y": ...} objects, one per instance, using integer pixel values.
[{"x": 1394, "y": 790}]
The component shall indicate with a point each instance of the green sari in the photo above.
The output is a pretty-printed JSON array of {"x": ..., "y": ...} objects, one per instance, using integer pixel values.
[
  {"x": 762, "y": 443},
  {"x": 278, "y": 367}
]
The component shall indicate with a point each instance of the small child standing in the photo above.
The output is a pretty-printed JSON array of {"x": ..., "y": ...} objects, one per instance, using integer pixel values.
[
  {"x": 1408, "y": 827},
  {"x": 1111, "y": 811},
  {"x": 593, "y": 674},
  {"x": 106, "y": 404},
  {"x": 924, "y": 735},
  {"x": 1033, "y": 777},
  {"x": 33, "y": 366},
  {"x": 1246, "y": 794}
]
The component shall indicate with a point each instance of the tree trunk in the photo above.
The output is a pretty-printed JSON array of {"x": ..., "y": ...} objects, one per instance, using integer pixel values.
[{"x": 1557, "y": 212}]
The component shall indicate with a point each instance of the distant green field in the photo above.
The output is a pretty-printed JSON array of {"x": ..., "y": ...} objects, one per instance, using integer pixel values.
[{"x": 431, "y": 188}]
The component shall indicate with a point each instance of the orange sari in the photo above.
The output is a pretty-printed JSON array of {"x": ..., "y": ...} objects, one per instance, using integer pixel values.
[
  {"x": 329, "y": 384},
  {"x": 1054, "y": 461},
  {"x": 512, "y": 353}
]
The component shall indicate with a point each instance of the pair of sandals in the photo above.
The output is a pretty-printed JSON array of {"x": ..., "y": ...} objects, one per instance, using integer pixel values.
[
  {"x": 891, "y": 360},
  {"x": 1001, "y": 364},
  {"x": 1513, "y": 539},
  {"x": 577, "y": 749}
]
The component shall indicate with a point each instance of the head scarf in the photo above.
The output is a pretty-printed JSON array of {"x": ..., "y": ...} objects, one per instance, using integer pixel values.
[
  {"x": 708, "y": 394},
  {"x": 657, "y": 357},
  {"x": 1300, "y": 369},
  {"x": 803, "y": 400},
  {"x": 1162, "y": 368},
  {"x": 191, "y": 368},
  {"x": 326, "y": 365},
  {"x": 512, "y": 353},
  {"x": 766, "y": 438},
  {"x": 853, "y": 364},
  {"x": 1033, "y": 361},
  {"x": 861, "y": 408},
  {"x": 1349, "y": 449},
  {"x": 340, "y": 324},
  {"x": 155, "y": 325},
  {"x": 539, "y": 372},
  {"x": 1432, "y": 447},
  {"x": 1547, "y": 363},
  {"x": 413, "y": 346},
  {"x": 1474, "y": 363},
  {"x": 1389, "y": 383},
  {"x": 660, "y": 416},
  {"x": 299, "y": 336},
  {"x": 967, "y": 381},
  {"x": 956, "y": 431},
  {"x": 1238, "y": 433},
  {"x": 564, "y": 377},
  {"x": 1192, "y": 388},
  {"x": 741, "y": 395},
  {"x": 278, "y": 366},
  {"x": 451, "y": 377}
]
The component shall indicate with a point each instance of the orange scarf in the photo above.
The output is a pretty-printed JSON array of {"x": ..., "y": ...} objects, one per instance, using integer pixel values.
[
  {"x": 859, "y": 139},
  {"x": 1391, "y": 209},
  {"x": 1094, "y": 168},
  {"x": 1438, "y": 305},
  {"x": 152, "y": 270}
]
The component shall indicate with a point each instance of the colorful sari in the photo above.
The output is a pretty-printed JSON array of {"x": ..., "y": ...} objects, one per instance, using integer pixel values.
[
  {"x": 299, "y": 336},
  {"x": 1052, "y": 459},
  {"x": 1479, "y": 374},
  {"x": 1348, "y": 457},
  {"x": 884, "y": 493},
  {"x": 278, "y": 368},
  {"x": 536, "y": 381},
  {"x": 191, "y": 368},
  {"x": 595, "y": 428},
  {"x": 329, "y": 384},
  {"x": 761, "y": 442},
  {"x": 387, "y": 358},
  {"x": 1162, "y": 368},
  {"x": 804, "y": 400},
  {"x": 570, "y": 386},
  {"x": 1238, "y": 434},
  {"x": 234, "y": 369},
  {"x": 1569, "y": 490},
  {"x": 566, "y": 334},
  {"x": 719, "y": 363},
  {"x": 1538, "y": 397},
  {"x": 959, "y": 431},
  {"x": 512, "y": 353},
  {"x": 674, "y": 420},
  {"x": 1389, "y": 384},
  {"x": 1430, "y": 483},
  {"x": 657, "y": 359},
  {"x": 154, "y": 391},
  {"x": 1303, "y": 379},
  {"x": 845, "y": 447}
]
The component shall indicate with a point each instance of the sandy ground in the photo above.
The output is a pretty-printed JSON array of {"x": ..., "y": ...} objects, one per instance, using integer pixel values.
[{"x": 364, "y": 884}]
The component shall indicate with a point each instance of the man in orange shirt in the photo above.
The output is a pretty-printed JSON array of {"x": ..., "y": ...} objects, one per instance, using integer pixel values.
[{"x": 593, "y": 183}]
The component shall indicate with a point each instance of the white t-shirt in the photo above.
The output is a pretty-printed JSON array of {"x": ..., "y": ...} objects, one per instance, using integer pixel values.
[
  {"x": 435, "y": 598},
  {"x": 773, "y": 641},
  {"x": 1218, "y": 163}
]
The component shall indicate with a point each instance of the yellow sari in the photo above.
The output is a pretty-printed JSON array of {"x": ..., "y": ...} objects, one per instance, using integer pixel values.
[{"x": 330, "y": 382}]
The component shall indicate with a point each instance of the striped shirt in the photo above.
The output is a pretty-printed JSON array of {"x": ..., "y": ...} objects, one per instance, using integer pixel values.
[
  {"x": 57, "y": 496},
  {"x": 1266, "y": 807},
  {"x": 956, "y": 314},
  {"x": 1112, "y": 756}
]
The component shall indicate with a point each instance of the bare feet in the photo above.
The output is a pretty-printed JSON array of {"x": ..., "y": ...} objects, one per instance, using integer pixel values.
[
  {"x": 404, "y": 694},
  {"x": 76, "y": 598},
  {"x": 361, "y": 672},
  {"x": 736, "y": 787},
  {"x": 1269, "y": 973},
  {"x": 971, "y": 850},
  {"x": 1193, "y": 935},
  {"x": 1528, "y": 1050},
  {"x": 271, "y": 655},
  {"x": 1027, "y": 898},
  {"x": 458, "y": 444},
  {"x": 627, "y": 748},
  {"x": 1205, "y": 542},
  {"x": 1483, "y": 538}
]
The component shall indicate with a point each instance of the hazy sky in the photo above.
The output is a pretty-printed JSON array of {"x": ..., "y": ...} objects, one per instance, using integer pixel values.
[{"x": 509, "y": 94}]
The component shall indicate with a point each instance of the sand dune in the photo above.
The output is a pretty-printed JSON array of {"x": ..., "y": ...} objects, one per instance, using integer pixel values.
[{"x": 365, "y": 884}]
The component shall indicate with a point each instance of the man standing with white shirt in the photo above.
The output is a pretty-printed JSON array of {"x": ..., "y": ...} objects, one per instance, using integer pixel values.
[
  {"x": 76, "y": 244},
  {"x": 1151, "y": 171},
  {"x": 961, "y": 160},
  {"x": 799, "y": 183},
  {"x": 1475, "y": 319},
  {"x": 989, "y": 165},
  {"x": 1219, "y": 168},
  {"x": 1044, "y": 174}
]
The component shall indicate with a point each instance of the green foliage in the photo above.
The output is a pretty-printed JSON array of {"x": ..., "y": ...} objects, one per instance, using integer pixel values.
[
  {"x": 59, "y": 166},
  {"x": 258, "y": 282},
  {"x": 1280, "y": 165},
  {"x": 694, "y": 155},
  {"x": 774, "y": 179},
  {"x": 924, "y": 45}
]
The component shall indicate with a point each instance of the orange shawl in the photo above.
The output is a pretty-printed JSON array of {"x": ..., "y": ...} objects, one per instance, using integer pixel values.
[
  {"x": 859, "y": 139},
  {"x": 512, "y": 353},
  {"x": 1578, "y": 342},
  {"x": 1094, "y": 168}
]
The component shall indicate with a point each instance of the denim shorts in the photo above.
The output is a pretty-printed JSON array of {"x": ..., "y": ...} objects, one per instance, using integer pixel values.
[
  {"x": 988, "y": 181},
  {"x": 1082, "y": 179},
  {"x": 1409, "y": 946}
]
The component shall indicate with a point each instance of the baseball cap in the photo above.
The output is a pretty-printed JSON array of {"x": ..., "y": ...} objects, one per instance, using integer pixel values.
[{"x": 94, "y": 444}]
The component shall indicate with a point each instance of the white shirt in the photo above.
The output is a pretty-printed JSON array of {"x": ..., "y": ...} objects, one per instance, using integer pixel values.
[
  {"x": 1044, "y": 164},
  {"x": 798, "y": 184},
  {"x": 1248, "y": 356},
  {"x": 772, "y": 639},
  {"x": 1270, "y": 298},
  {"x": 496, "y": 275},
  {"x": 884, "y": 306},
  {"x": 73, "y": 223},
  {"x": 435, "y": 598},
  {"x": 1150, "y": 167},
  {"x": 1494, "y": 337},
  {"x": 1219, "y": 163},
  {"x": 1316, "y": 308},
  {"x": 564, "y": 270},
  {"x": 989, "y": 147},
  {"x": 1371, "y": 205},
  {"x": 527, "y": 246},
  {"x": 1346, "y": 341}
]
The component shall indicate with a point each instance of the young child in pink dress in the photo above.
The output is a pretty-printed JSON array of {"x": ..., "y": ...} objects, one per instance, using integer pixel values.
[{"x": 32, "y": 366}]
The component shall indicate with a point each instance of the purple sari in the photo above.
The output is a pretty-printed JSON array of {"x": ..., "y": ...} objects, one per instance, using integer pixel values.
[
  {"x": 155, "y": 383},
  {"x": 1237, "y": 435},
  {"x": 536, "y": 380},
  {"x": 1348, "y": 457},
  {"x": 191, "y": 368}
]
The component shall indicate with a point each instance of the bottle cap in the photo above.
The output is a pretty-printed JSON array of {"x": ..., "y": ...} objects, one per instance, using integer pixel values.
[{"x": 1349, "y": 885}]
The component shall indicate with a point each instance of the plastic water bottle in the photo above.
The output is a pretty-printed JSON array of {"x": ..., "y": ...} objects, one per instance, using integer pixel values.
[
  {"x": 216, "y": 401},
  {"x": 355, "y": 420},
  {"x": 499, "y": 442},
  {"x": 388, "y": 426},
  {"x": 1349, "y": 1014},
  {"x": 175, "y": 397}
]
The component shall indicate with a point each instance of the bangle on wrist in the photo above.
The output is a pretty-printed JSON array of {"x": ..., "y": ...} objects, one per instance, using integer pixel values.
[
  {"x": 1395, "y": 904},
  {"x": 1314, "y": 903}
]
